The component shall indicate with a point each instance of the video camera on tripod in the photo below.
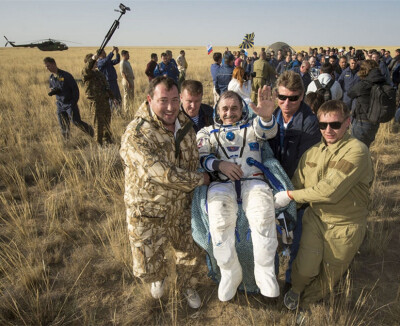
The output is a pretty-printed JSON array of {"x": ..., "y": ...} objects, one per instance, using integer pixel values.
[{"x": 122, "y": 10}]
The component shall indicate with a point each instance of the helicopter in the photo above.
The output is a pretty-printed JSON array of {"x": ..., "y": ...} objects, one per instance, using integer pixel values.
[{"x": 44, "y": 45}]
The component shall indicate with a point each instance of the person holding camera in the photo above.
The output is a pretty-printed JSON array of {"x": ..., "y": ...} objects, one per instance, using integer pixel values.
[
  {"x": 105, "y": 64},
  {"x": 64, "y": 87}
]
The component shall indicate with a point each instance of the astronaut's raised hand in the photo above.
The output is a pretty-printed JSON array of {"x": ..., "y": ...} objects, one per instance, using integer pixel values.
[
  {"x": 282, "y": 199},
  {"x": 266, "y": 103},
  {"x": 231, "y": 170}
]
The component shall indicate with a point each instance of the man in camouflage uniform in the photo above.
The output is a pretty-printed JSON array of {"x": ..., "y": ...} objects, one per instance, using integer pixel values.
[
  {"x": 263, "y": 74},
  {"x": 161, "y": 159},
  {"x": 98, "y": 93}
]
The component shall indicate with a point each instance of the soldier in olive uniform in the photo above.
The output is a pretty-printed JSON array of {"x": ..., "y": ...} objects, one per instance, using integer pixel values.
[
  {"x": 98, "y": 93},
  {"x": 334, "y": 177},
  {"x": 262, "y": 73}
]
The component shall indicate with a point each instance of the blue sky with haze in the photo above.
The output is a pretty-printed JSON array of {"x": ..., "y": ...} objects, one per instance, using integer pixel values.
[{"x": 196, "y": 23}]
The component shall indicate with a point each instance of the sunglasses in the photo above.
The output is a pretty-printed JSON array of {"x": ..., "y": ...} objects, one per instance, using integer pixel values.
[
  {"x": 334, "y": 125},
  {"x": 292, "y": 98}
]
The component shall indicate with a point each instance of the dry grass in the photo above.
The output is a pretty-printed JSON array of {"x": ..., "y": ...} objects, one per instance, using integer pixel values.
[{"x": 64, "y": 253}]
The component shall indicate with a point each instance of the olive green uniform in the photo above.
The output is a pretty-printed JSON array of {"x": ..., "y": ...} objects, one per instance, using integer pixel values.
[
  {"x": 160, "y": 174},
  {"x": 335, "y": 180},
  {"x": 263, "y": 73},
  {"x": 98, "y": 93}
]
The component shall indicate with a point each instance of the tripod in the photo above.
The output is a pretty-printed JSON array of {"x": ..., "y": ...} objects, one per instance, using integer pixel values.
[{"x": 122, "y": 10}]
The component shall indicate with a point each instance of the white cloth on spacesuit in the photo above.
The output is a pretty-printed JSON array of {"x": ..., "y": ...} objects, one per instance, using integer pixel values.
[
  {"x": 257, "y": 202},
  {"x": 282, "y": 199}
]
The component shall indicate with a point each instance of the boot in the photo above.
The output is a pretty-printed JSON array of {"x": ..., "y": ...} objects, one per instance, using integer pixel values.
[
  {"x": 231, "y": 271},
  {"x": 230, "y": 280},
  {"x": 157, "y": 289},
  {"x": 264, "y": 264}
]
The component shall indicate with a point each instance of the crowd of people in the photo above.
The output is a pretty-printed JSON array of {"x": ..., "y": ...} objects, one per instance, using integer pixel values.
[
  {"x": 310, "y": 108},
  {"x": 331, "y": 72}
]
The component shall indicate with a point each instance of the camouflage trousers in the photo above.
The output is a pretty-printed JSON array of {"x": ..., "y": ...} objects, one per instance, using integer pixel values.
[
  {"x": 102, "y": 120},
  {"x": 152, "y": 242},
  {"x": 129, "y": 96},
  {"x": 325, "y": 253}
]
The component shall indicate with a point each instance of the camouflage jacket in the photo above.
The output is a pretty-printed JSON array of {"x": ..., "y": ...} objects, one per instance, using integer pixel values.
[
  {"x": 160, "y": 170},
  {"x": 96, "y": 85}
]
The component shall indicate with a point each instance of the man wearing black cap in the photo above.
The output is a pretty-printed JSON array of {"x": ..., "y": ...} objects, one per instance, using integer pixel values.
[{"x": 224, "y": 74}]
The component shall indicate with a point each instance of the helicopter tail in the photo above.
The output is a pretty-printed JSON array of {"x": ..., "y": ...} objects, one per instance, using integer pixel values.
[{"x": 9, "y": 42}]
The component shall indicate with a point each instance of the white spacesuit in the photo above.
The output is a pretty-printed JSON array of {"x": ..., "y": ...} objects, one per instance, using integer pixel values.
[{"x": 235, "y": 143}]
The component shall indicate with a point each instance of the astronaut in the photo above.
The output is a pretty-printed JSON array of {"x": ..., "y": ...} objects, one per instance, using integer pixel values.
[{"x": 224, "y": 148}]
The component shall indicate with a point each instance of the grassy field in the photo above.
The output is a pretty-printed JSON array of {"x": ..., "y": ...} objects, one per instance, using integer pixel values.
[{"x": 64, "y": 251}]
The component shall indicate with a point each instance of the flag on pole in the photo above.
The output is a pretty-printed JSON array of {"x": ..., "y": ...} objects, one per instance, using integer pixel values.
[
  {"x": 209, "y": 48},
  {"x": 248, "y": 41}
]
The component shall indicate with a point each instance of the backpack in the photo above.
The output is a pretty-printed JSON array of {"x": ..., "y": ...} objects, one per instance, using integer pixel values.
[
  {"x": 382, "y": 104},
  {"x": 325, "y": 91}
]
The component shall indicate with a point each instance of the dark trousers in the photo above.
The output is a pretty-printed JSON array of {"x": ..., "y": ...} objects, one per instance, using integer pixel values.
[
  {"x": 117, "y": 95},
  {"x": 364, "y": 131},
  {"x": 72, "y": 114}
]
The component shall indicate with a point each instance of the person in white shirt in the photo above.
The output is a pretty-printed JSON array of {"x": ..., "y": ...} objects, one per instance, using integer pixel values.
[
  {"x": 325, "y": 79},
  {"x": 240, "y": 85}
]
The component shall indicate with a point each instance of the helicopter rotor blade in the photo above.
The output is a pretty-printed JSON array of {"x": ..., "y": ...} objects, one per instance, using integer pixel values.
[
  {"x": 54, "y": 40},
  {"x": 70, "y": 41},
  {"x": 8, "y": 42}
]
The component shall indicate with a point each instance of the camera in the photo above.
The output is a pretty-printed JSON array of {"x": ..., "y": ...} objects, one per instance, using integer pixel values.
[
  {"x": 54, "y": 91},
  {"x": 359, "y": 55},
  {"x": 123, "y": 8}
]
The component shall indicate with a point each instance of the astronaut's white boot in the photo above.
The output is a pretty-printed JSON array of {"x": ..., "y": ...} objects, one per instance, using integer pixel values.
[
  {"x": 231, "y": 271},
  {"x": 230, "y": 280},
  {"x": 264, "y": 264}
]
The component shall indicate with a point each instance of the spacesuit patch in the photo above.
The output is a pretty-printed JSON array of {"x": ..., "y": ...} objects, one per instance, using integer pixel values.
[
  {"x": 254, "y": 146},
  {"x": 232, "y": 148}
]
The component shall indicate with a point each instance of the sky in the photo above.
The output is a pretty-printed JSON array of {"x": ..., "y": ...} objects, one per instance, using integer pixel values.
[{"x": 198, "y": 23}]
